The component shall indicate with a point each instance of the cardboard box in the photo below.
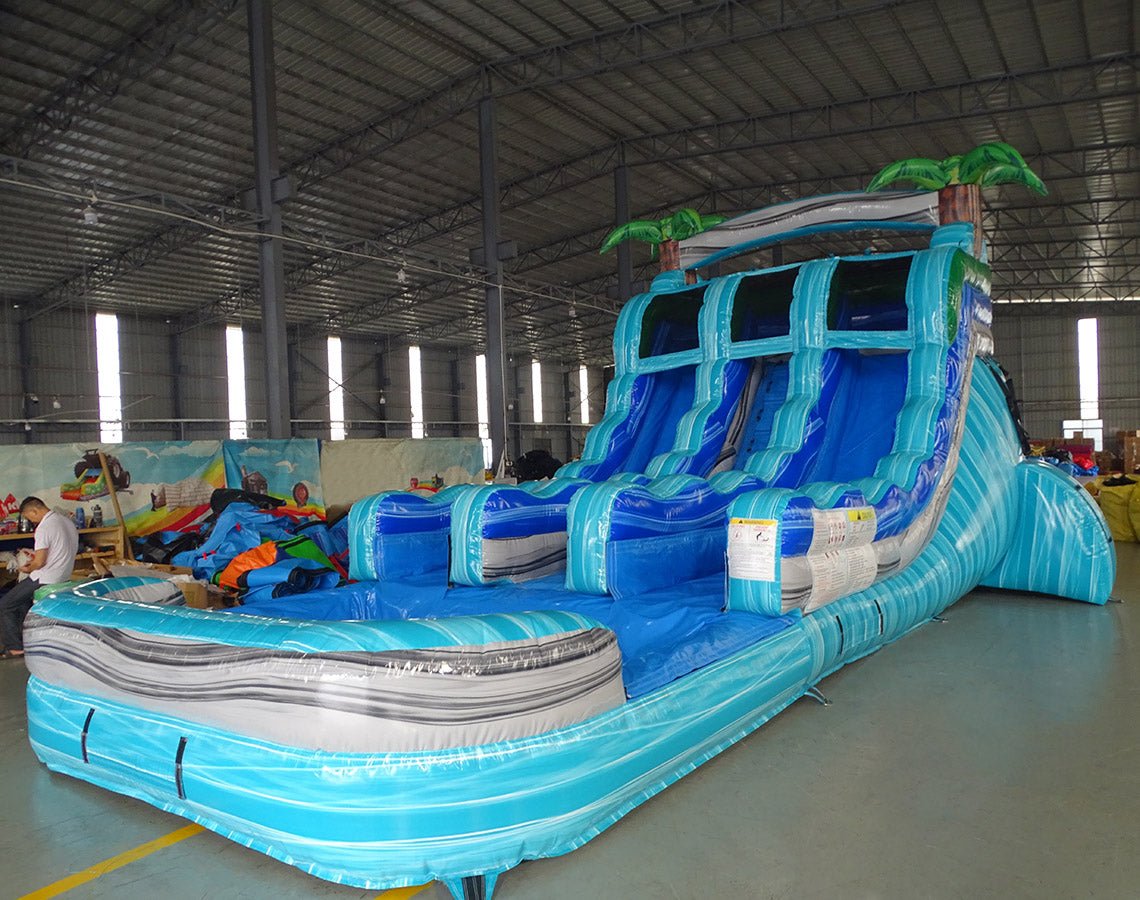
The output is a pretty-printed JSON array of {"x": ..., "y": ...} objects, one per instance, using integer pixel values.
[
  {"x": 134, "y": 567},
  {"x": 1130, "y": 451},
  {"x": 1107, "y": 462},
  {"x": 200, "y": 595}
]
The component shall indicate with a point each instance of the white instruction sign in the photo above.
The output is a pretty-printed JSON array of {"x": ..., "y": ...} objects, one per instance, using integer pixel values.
[
  {"x": 837, "y": 573},
  {"x": 833, "y": 528},
  {"x": 753, "y": 546}
]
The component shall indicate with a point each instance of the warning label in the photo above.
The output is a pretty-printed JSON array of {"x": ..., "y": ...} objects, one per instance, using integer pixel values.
[
  {"x": 753, "y": 545},
  {"x": 837, "y": 573},
  {"x": 833, "y": 528}
]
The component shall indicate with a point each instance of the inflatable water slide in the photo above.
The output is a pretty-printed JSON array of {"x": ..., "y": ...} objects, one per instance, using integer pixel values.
[{"x": 798, "y": 464}]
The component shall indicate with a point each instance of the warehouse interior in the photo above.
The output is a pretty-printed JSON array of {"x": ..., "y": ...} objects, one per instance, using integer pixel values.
[{"x": 304, "y": 175}]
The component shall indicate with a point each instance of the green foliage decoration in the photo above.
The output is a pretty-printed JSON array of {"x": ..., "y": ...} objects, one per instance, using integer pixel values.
[
  {"x": 922, "y": 172},
  {"x": 682, "y": 224},
  {"x": 1003, "y": 174},
  {"x": 988, "y": 164}
]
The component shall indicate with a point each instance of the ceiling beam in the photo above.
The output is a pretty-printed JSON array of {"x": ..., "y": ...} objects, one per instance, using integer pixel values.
[
  {"x": 666, "y": 36},
  {"x": 71, "y": 187},
  {"x": 702, "y": 27},
  {"x": 1059, "y": 308},
  {"x": 1104, "y": 78},
  {"x": 181, "y": 23},
  {"x": 355, "y": 253}
]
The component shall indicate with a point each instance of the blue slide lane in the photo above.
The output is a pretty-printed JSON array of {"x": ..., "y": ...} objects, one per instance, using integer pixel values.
[
  {"x": 401, "y": 534},
  {"x": 684, "y": 428},
  {"x": 677, "y": 503}
]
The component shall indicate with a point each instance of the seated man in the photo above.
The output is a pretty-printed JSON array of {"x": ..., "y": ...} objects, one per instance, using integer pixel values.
[{"x": 56, "y": 544}]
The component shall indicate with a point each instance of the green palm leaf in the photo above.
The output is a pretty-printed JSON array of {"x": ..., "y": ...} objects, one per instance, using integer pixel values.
[
  {"x": 950, "y": 166},
  {"x": 637, "y": 230},
  {"x": 1009, "y": 174},
  {"x": 994, "y": 153},
  {"x": 684, "y": 223},
  {"x": 925, "y": 173},
  {"x": 708, "y": 222}
]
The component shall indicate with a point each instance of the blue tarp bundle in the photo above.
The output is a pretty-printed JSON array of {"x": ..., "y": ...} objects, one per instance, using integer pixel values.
[
  {"x": 242, "y": 527},
  {"x": 288, "y": 577}
]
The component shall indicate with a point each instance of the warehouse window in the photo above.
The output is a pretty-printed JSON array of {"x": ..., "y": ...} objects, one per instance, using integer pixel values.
[
  {"x": 584, "y": 394},
  {"x": 416, "y": 389},
  {"x": 1088, "y": 367},
  {"x": 235, "y": 375},
  {"x": 536, "y": 388},
  {"x": 337, "y": 429},
  {"x": 110, "y": 387},
  {"x": 1089, "y": 425},
  {"x": 482, "y": 407}
]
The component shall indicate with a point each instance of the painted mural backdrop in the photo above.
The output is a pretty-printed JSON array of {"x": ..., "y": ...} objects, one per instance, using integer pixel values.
[
  {"x": 356, "y": 468},
  {"x": 289, "y": 470},
  {"x": 161, "y": 486},
  {"x": 166, "y": 485}
]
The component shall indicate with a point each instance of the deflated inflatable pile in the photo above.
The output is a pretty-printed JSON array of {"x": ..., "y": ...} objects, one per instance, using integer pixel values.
[{"x": 797, "y": 465}]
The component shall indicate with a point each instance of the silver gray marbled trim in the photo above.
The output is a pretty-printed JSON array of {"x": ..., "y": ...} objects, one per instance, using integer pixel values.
[
  {"x": 524, "y": 558},
  {"x": 887, "y": 207},
  {"x": 395, "y": 700}
]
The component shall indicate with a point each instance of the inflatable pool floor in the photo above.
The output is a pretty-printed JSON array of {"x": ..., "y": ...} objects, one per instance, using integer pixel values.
[{"x": 845, "y": 466}]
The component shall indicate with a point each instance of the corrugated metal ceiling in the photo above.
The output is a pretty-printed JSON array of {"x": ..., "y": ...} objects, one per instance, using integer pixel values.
[{"x": 723, "y": 105}]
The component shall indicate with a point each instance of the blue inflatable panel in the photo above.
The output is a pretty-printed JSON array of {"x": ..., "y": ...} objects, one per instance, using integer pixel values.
[
  {"x": 667, "y": 398},
  {"x": 873, "y": 388},
  {"x": 1061, "y": 543},
  {"x": 373, "y": 820}
]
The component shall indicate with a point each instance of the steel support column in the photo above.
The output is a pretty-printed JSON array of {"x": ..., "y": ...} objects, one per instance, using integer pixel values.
[
  {"x": 176, "y": 385},
  {"x": 516, "y": 407},
  {"x": 381, "y": 395},
  {"x": 456, "y": 387},
  {"x": 568, "y": 412},
  {"x": 621, "y": 216},
  {"x": 496, "y": 354},
  {"x": 24, "y": 348},
  {"x": 269, "y": 190},
  {"x": 293, "y": 359}
]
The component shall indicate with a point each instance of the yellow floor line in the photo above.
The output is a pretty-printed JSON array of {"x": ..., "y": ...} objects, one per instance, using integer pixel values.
[
  {"x": 115, "y": 862},
  {"x": 404, "y": 893}
]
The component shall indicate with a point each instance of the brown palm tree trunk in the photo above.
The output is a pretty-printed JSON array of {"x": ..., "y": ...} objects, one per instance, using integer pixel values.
[
  {"x": 962, "y": 203},
  {"x": 669, "y": 254}
]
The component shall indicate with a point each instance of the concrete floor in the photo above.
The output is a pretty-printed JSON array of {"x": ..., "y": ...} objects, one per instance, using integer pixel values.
[{"x": 996, "y": 755}]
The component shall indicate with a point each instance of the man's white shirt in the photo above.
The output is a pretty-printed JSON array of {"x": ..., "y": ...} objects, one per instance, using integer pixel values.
[{"x": 56, "y": 533}]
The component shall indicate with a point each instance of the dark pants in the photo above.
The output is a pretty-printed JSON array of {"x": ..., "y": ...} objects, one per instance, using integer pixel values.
[{"x": 14, "y": 606}]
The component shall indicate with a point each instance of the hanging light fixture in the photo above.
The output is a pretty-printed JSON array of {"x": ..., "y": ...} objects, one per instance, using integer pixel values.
[{"x": 90, "y": 214}]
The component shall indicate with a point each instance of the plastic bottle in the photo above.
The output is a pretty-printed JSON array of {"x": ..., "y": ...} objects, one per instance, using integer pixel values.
[
  {"x": 96, "y": 516},
  {"x": 80, "y": 517}
]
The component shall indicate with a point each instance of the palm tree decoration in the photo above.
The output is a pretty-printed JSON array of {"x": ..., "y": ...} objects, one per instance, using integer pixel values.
[
  {"x": 664, "y": 234},
  {"x": 986, "y": 165},
  {"x": 959, "y": 180}
]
